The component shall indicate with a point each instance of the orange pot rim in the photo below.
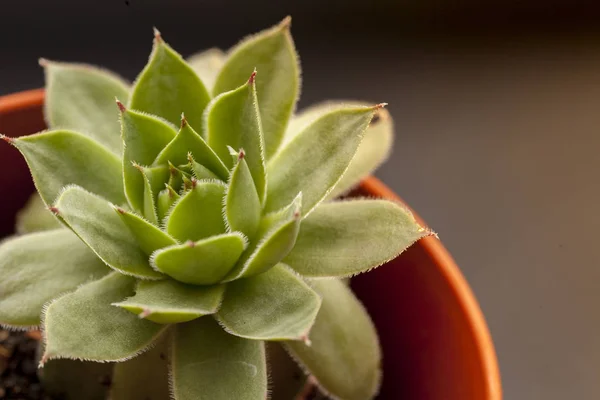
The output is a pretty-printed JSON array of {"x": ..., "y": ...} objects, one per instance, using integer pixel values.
[{"x": 447, "y": 266}]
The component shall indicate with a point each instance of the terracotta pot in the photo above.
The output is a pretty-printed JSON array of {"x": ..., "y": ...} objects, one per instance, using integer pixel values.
[{"x": 435, "y": 341}]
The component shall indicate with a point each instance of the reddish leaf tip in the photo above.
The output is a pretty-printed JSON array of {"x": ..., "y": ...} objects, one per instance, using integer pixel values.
[
  {"x": 306, "y": 340},
  {"x": 296, "y": 214},
  {"x": 190, "y": 243},
  {"x": 379, "y": 106},
  {"x": 183, "y": 121},
  {"x": 145, "y": 313},
  {"x": 53, "y": 210},
  {"x": 7, "y": 139},
  {"x": 121, "y": 106},
  {"x": 157, "y": 35},
  {"x": 120, "y": 210},
  {"x": 286, "y": 22},
  {"x": 172, "y": 169},
  {"x": 43, "y": 62},
  {"x": 252, "y": 77},
  {"x": 194, "y": 183},
  {"x": 241, "y": 154}
]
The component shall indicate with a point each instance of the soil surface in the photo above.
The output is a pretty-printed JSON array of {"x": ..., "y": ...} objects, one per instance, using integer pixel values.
[{"x": 18, "y": 369}]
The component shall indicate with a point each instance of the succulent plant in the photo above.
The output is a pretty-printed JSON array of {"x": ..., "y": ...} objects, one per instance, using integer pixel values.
[{"x": 179, "y": 230}]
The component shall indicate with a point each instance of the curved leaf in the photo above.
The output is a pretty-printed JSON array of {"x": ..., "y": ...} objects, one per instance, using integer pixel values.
[
  {"x": 233, "y": 120},
  {"x": 276, "y": 237},
  {"x": 170, "y": 302},
  {"x": 315, "y": 160},
  {"x": 167, "y": 86},
  {"x": 349, "y": 237},
  {"x": 149, "y": 237},
  {"x": 60, "y": 158},
  {"x": 95, "y": 221},
  {"x": 166, "y": 198},
  {"x": 39, "y": 267},
  {"x": 344, "y": 355},
  {"x": 276, "y": 305},
  {"x": 205, "y": 262},
  {"x": 84, "y": 325},
  {"x": 242, "y": 205},
  {"x": 198, "y": 214},
  {"x": 81, "y": 97},
  {"x": 272, "y": 54},
  {"x": 35, "y": 217},
  {"x": 154, "y": 180},
  {"x": 207, "y": 363},
  {"x": 143, "y": 377},
  {"x": 189, "y": 142},
  {"x": 207, "y": 65}
]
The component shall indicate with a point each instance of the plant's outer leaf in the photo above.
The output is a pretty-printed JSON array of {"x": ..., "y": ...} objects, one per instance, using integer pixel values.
[
  {"x": 344, "y": 355},
  {"x": 84, "y": 325},
  {"x": 149, "y": 237},
  {"x": 242, "y": 205},
  {"x": 275, "y": 239},
  {"x": 144, "y": 136},
  {"x": 35, "y": 217},
  {"x": 273, "y": 55},
  {"x": 374, "y": 149},
  {"x": 95, "y": 221},
  {"x": 145, "y": 377},
  {"x": 60, "y": 158},
  {"x": 315, "y": 160},
  {"x": 188, "y": 141},
  {"x": 38, "y": 267},
  {"x": 81, "y": 97},
  {"x": 233, "y": 120},
  {"x": 166, "y": 198},
  {"x": 75, "y": 379},
  {"x": 210, "y": 364},
  {"x": 154, "y": 180},
  {"x": 344, "y": 238},
  {"x": 168, "y": 87},
  {"x": 204, "y": 262},
  {"x": 198, "y": 214},
  {"x": 171, "y": 302},
  {"x": 286, "y": 379},
  {"x": 275, "y": 305},
  {"x": 207, "y": 65}
]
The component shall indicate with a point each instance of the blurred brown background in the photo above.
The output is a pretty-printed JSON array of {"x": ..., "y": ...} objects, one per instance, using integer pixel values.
[{"x": 496, "y": 105}]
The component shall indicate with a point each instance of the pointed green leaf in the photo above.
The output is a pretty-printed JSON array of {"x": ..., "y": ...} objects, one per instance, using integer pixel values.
[
  {"x": 344, "y": 355},
  {"x": 188, "y": 141},
  {"x": 273, "y": 55},
  {"x": 145, "y": 377},
  {"x": 233, "y": 120},
  {"x": 200, "y": 171},
  {"x": 38, "y": 267},
  {"x": 75, "y": 379},
  {"x": 144, "y": 136},
  {"x": 95, "y": 221},
  {"x": 149, "y": 237},
  {"x": 35, "y": 217},
  {"x": 207, "y": 65},
  {"x": 345, "y": 238},
  {"x": 276, "y": 305},
  {"x": 84, "y": 325},
  {"x": 315, "y": 160},
  {"x": 204, "y": 262},
  {"x": 154, "y": 180},
  {"x": 242, "y": 205},
  {"x": 207, "y": 363},
  {"x": 372, "y": 152},
  {"x": 60, "y": 158},
  {"x": 81, "y": 97},
  {"x": 166, "y": 198},
  {"x": 198, "y": 214},
  {"x": 168, "y": 87},
  {"x": 170, "y": 302},
  {"x": 275, "y": 239}
]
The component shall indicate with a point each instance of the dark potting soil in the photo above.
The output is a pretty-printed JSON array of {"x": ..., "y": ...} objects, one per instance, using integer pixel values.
[{"x": 18, "y": 368}]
